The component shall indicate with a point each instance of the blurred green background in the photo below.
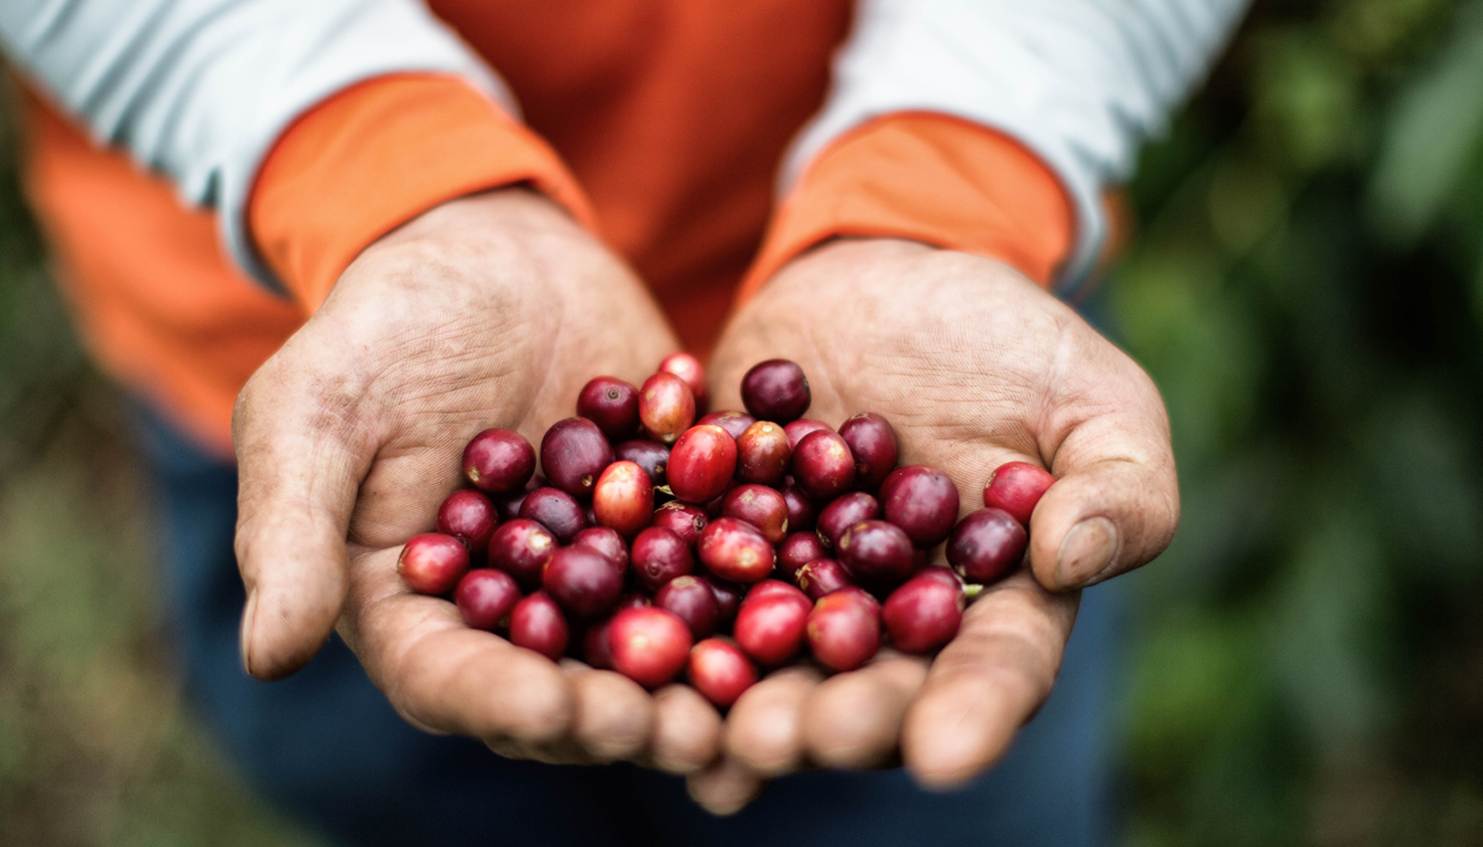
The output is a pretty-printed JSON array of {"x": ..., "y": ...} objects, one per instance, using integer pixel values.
[{"x": 1305, "y": 282}]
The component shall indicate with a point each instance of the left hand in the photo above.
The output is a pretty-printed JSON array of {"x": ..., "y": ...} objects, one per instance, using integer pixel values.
[{"x": 974, "y": 365}]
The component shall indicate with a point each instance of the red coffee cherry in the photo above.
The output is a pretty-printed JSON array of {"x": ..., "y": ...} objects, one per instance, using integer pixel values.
[
  {"x": 623, "y": 498},
  {"x": 573, "y": 453},
  {"x": 735, "y": 423},
  {"x": 845, "y": 511},
  {"x": 659, "y": 556},
  {"x": 612, "y": 404},
  {"x": 498, "y": 460},
  {"x": 922, "y": 501},
  {"x": 536, "y": 623},
  {"x": 734, "y": 550},
  {"x": 649, "y": 645},
  {"x": 694, "y": 603},
  {"x": 1016, "y": 487},
  {"x": 760, "y": 506},
  {"x": 986, "y": 545},
  {"x": 843, "y": 633},
  {"x": 823, "y": 466},
  {"x": 720, "y": 671},
  {"x": 801, "y": 429},
  {"x": 468, "y": 516},
  {"x": 432, "y": 563},
  {"x": 652, "y": 456},
  {"x": 762, "y": 453},
  {"x": 519, "y": 548},
  {"x": 798, "y": 549},
  {"x": 583, "y": 581},
  {"x": 876, "y": 552},
  {"x": 666, "y": 407},
  {"x": 770, "y": 628},
  {"x": 701, "y": 464},
  {"x": 485, "y": 598},
  {"x": 775, "y": 390},
  {"x": 689, "y": 369},
  {"x": 556, "y": 510},
  {"x": 924, "y": 613},
  {"x": 683, "y": 519},
  {"x": 872, "y": 441},
  {"x": 607, "y": 541},
  {"x": 821, "y": 577}
]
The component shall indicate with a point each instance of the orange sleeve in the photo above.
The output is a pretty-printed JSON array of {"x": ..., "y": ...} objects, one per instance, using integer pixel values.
[
  {"x": 927, "y": 177},
  {"x": 378, "y": 154}
]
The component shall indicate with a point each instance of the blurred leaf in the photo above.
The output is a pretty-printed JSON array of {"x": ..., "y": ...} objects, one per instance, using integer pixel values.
[{"x": 1428, "y": 140}]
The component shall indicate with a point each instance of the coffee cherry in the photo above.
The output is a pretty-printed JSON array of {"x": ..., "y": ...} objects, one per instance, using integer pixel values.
[
  {"x": 844, "y": 512},
  {"x": 536, "y": 623},
  {"x": 485, "y": 597},
  {"x": 573, "y": 453},
  {"x": 735, "y": 423},
  {"x": 924, "y": 613},
  {"x": 775, "y": 390},
  {"x": 612, "y": 404},
  {"x": 876, "y": 552},
  {"x": 689, "y": 369},
  {"x": 843, "y": 633},
  {"x": 720, "y": 671},
  {"x": 583, "y": 581},
  {"x": 606, "y": 541},
  {"x": 986, "y": 545},
  {"x": 770, "y": 628},
  {"x": 666, "y": 407},
  {"x": 468, "y": 516},
  {"x": 652, "y": 456},
  {"x": 872, "y": 441},
  {"x": 701, "y": 463},
  {"x": 801, "y": 511},
  {"x": 623, "y": 498},
  {"x": 801, "y": 429},
  {"x": 822, "y": 576},
  {"x": 556, "y": 510},
  {"x": 823, "y": 466},
  {"x": 683, "y": 519},
  {"x": 659, "y": 556},
  {"x": 498, "y": 460},
  {"x": 432, "y": 563},
  {"x": 734, "y": 550},
  {"x": 694, "y": 603},
  {"x": 728, "y": 597},
  {"x": 1016, "y": 487},
  {"x": 922, "y": 501},
  {"x": 762, "y": 453},
  {"x": 760, "y": 506},
  {"x": 519, "y": 548},
  {"x": 798, "y": 549},
  {"x": 649, "y": 645}
]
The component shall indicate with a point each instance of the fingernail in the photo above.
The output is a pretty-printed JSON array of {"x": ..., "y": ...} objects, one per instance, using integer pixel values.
[
  {"x": 1087, "y": 552},
  {"x": 244, "y": 635}
]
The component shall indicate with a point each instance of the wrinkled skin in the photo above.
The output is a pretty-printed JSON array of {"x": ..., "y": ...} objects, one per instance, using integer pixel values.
[
  {"x": 487, "y": 311},
  {"x": 975, "y": 366}
]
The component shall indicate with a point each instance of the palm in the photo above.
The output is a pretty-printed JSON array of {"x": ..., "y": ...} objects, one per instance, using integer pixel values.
[
  {"x": 491, "y": 312},
  {"x": 974, "y": 366}
]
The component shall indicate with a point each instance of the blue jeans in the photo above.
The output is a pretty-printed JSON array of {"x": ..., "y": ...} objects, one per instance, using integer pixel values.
[{"x": 326, "y": 748}]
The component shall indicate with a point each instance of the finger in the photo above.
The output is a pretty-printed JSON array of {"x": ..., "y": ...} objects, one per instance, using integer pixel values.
[
  {"x": 1115, "y": 502},
  {"x": 987, "y": 682},
  {"x": 444, "y": 676},
  {"x": 724, "y": 788},
  {"x": 687, "y": 731},
  {"x": 764, "y": 731},
  {"x": 614, "y": 715},
  {"x": 853, "y": 720},
  {"x": 300, "y": 456}
]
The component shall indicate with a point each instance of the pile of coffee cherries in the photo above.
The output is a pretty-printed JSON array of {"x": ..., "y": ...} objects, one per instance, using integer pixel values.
[{"x": 650, "y": 536}]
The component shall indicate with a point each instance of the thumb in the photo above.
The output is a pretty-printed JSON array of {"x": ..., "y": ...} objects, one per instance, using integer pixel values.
[
  {"x": 300, "y": 458},
  {"x": 1115, "y": 502}
]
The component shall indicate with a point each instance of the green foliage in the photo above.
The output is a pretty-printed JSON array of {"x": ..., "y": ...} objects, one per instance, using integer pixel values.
[{"x": 1305, "y": 288}]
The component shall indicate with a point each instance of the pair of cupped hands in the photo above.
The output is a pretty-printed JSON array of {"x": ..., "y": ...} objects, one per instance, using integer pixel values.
[{"x": 493, "y": 310}]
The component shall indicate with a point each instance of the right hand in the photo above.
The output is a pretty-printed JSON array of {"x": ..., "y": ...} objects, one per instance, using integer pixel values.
[{"x": 489, "y": 310}]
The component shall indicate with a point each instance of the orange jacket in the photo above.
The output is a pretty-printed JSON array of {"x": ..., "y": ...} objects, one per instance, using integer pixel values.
[{"x": 661, "y": 125}]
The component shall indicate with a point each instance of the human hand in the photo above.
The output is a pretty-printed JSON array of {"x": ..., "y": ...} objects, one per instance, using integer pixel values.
[
  {"x": 490, "y": 310},
  {"x": 975, "y": 366}
]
